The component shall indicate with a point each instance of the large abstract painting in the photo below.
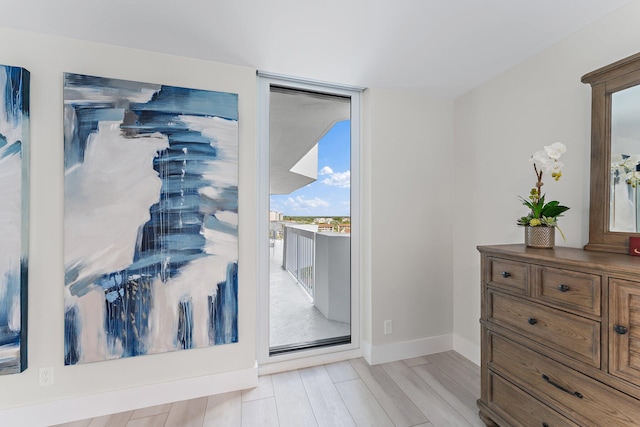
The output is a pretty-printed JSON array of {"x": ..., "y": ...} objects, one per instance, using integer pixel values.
[
  {"x": 14, "y": 200},
  {"x": 151, "y": 218}
]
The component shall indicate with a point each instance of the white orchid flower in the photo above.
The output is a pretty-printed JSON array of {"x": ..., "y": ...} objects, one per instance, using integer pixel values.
[
  {"x": 624, "y": 164},
  {"x": 555, "y": 150},
  {"x": 633, "y": 178},
  {"x": 540, "y": 158},
  {"x": 616, "y": 162},
  {"x": 632, "y": 161},
  {"x": 555, "y": 167}
]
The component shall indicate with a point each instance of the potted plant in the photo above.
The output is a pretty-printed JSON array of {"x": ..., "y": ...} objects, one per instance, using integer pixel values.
[{"x": 542, "y": 219}]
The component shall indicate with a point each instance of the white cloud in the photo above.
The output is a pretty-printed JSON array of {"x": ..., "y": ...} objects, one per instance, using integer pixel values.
[
  {"x": 326, "y": 171},
  {"x": 339, "y": 179},
  {"x": 300, "y": 203}
]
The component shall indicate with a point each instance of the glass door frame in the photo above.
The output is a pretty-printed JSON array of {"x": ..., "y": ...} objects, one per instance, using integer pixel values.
[{"x": 265, "y": 81}]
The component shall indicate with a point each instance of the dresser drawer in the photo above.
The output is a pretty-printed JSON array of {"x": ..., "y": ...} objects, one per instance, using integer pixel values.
[
  {"x": 570, "y": 289},
  {"x": 568, "y": 390},
  {"x": 510, "y": 275},
  {"x": 519, "y": 408},
  {"x": 573, "y": 335}
]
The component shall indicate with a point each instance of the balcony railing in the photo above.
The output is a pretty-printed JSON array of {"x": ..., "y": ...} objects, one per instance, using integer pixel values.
[
  {"x": 299, "y": 256},
  {"x": 321, "y": 264}
]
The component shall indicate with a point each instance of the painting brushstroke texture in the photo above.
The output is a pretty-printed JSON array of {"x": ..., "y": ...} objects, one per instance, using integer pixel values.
[
  {"x": 14, "y": 216},
  {"x": 151, "y": 218}
]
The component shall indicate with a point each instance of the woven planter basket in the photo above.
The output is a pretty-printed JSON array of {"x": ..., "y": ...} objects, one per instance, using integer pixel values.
[{"x": 540, "y": 237}]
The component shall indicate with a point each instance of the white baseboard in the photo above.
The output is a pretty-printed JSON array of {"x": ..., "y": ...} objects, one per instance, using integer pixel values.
[
  {"x": 306, "y": 362},
  {"x": 466, "y": 348},
  {"x": 79, "y": 408},
  {"x": 408, "y": 349}
]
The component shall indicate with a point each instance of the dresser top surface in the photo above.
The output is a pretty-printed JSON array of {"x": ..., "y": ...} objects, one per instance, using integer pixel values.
[{"x": 569, "y": 256}]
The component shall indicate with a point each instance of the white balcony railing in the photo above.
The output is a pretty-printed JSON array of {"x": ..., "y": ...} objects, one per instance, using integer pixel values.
[
  {"x": 321, "y": 264},
  {"x": 299, "y": 255}
]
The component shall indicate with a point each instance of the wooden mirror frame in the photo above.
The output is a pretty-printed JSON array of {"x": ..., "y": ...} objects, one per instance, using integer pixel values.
[{"x": 605, "y": 81}]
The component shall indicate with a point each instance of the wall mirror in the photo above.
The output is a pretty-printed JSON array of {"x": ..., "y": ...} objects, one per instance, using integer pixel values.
[{"x": 614, "y": 213}]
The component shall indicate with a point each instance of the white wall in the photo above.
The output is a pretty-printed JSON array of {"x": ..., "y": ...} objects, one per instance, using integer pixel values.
[
  {"x": 410, "y": 155},
  {"x": 499, "y": 125},
  {"x": 47, "y": 58}
]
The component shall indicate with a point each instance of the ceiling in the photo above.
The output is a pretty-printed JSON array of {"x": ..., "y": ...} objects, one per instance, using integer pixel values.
[{"x": 443, "y": 47}]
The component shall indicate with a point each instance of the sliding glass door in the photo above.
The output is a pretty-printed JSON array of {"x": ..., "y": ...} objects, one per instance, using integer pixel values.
[{"x": 307, "y": 284}]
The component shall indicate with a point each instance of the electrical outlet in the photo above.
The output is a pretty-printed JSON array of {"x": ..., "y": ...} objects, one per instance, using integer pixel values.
[
  {"x": 388, "y": 327},
  {"x": 46, "y": 376}
]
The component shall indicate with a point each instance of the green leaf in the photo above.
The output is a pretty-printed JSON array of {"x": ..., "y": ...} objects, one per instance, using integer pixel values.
[
  {"x": 527, "y": 203},
  {"x": 554, "y": 209}
]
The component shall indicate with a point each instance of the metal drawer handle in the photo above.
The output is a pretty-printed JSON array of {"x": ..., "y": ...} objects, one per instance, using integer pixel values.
[
  {"x": 545, "y": 424},
  {"x": 506, "y": 274},
  {"x": 620, "y": 329},
  {"x": 558, "y": 386},
  {"x": 563, "y": 288},
  {"x": 532, "y": 321}
]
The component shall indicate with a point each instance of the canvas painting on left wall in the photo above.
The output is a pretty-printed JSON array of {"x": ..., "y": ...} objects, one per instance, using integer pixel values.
[
  {"x": 14, "y": 208},
  {"x": 151, "y": 218}
]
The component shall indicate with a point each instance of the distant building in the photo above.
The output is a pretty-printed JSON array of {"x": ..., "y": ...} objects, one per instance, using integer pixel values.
[
  {"x": 325, "y": 227},
  {"x": 275, "y": 216},
  {"x": 344, "y": 228}
]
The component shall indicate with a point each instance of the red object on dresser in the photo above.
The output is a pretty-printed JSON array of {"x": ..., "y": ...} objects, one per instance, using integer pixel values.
[{"x": 634, "y": 246}]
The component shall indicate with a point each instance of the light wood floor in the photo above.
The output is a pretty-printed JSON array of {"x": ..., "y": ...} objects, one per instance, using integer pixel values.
[{"x": 436, "y": 390}]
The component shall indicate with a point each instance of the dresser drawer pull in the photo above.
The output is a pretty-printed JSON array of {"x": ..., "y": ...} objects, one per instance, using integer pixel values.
[
  {"x": 506, "y": 274},
  {"x": 532, "y": 321},
  {"x": 620, "y": 329},
  {"x": 563, "y": 288},
  {"x": 545, "y": 425},
  {"x": 558, "y": 386}
]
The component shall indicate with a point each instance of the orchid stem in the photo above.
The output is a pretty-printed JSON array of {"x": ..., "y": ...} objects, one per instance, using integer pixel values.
[{"x": 539, "y": 184}]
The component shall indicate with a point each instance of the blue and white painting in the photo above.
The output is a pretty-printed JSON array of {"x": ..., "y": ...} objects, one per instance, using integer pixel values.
[
  {"x": 151, "y": 218},
  {"x": 14, "y": 201}
]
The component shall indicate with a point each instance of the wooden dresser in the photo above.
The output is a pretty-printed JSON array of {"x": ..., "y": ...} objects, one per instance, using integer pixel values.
[{"x": 560, "y": 337}]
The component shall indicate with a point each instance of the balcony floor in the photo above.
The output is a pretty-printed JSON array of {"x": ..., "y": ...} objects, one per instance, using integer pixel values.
[{"x": 293, "y": 317}]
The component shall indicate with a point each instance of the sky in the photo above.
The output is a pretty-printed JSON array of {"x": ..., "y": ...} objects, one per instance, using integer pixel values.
[{"x": 329, "y": 195}]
